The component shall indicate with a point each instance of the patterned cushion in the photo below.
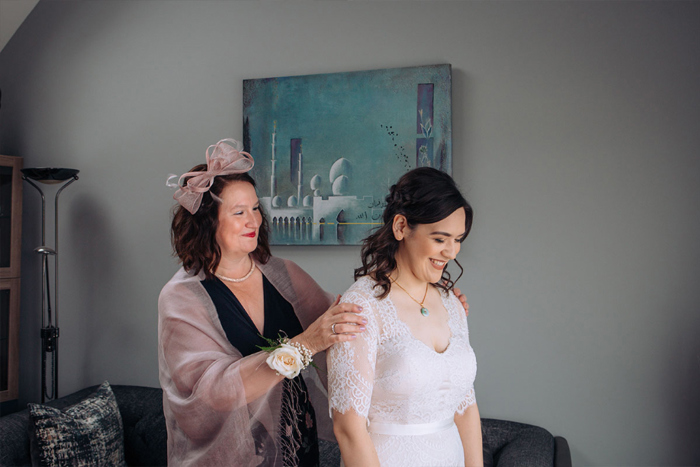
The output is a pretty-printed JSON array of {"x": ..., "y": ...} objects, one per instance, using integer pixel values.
[{"x": 88, "y": 433}]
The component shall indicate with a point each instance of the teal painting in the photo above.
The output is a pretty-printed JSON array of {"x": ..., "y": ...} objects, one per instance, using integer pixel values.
[{"x": 327, "y": 147}]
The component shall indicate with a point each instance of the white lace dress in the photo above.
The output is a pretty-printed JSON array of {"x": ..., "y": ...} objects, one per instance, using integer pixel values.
[{"x": 408, "y": 392}]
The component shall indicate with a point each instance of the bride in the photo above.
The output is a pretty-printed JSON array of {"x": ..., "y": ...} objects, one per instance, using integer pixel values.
[{"x": 402, "y": 393}]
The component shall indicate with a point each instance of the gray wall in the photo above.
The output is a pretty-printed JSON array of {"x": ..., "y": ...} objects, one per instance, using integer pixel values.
[{"x": 576, "y": 139}]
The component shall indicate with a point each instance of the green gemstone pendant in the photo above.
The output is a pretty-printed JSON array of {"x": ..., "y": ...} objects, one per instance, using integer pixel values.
[{"x": 424, "y": 311}]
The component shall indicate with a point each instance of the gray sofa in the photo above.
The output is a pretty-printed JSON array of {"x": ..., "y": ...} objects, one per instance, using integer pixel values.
[
  {"x": 141, "y": 410},
  {"x": 505, "y": 443}
]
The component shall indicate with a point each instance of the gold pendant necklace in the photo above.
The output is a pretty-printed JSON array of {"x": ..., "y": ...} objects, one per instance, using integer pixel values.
[{"x": 423, "y": 310}]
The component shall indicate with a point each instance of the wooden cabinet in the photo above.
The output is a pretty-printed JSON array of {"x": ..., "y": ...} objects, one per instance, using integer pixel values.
[
  {"x": 10, "y": 257},
  {"x": 9, "y": 343}
]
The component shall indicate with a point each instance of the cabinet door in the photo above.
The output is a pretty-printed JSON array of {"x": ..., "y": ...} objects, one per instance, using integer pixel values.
[
  {"x": 10, "y": 216},
  {"x": 9, "y": 334}
]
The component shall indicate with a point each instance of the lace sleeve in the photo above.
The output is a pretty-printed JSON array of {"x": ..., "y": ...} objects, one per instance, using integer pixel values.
[
  {"x": 462, "y": 332},
  {"x": 469, "y": 399},
  {"x": 351, "y": 364}
]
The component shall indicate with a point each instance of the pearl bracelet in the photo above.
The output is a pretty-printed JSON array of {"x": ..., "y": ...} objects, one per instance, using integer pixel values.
[{"x": 305, "y": 353}]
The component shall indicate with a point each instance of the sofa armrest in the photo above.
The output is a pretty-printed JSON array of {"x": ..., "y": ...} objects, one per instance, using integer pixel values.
[
  {"x": 14, "y": 447},
  {"x": 562, "y": 454}
]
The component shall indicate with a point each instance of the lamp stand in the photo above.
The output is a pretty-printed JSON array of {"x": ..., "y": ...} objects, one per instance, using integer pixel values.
[{"x": 49, "y": 316}]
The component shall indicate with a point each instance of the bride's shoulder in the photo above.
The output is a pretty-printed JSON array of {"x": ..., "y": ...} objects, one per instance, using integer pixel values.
[
  {"x": 454, "y": 306},
  {"x": 363, "y": 292},
  {"x": 364, "y": 287}
]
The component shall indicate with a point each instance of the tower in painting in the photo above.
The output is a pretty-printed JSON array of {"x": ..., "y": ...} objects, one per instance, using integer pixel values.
[
  {"x": 300, "y": 178},
  {"x": 273, "y": 173},
  {"x": 424, "y": 126},
  {"x": 296, "y": 171}
]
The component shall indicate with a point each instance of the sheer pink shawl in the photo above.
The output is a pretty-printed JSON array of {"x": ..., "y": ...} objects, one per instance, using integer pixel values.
[{"x": 205, "y": 379}]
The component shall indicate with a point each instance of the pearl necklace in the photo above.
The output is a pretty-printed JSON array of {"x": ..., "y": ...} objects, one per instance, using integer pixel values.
[
  {"x": 423, "y": 310},
  {"x": 231, "y": 279}
]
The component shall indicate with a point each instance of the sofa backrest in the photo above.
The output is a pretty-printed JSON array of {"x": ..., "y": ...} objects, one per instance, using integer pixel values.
[{"x": 141, "y": 409}]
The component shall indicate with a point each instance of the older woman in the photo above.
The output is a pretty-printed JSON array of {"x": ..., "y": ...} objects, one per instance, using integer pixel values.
[
  {"x": 226, "y": 401},
  {"x": 402, "y": 393}
]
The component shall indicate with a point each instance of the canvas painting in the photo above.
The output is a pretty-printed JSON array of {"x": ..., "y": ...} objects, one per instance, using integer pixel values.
[{"x": 327, "y": 147}]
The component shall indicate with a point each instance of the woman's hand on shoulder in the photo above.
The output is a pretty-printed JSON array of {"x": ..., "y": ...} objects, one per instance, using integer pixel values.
[
  {"x": 462, "y": 299},
  {"x": 340, "y": 323}
]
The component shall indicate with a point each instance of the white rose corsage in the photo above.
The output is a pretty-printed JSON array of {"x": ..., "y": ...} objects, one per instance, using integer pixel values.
[{"x": 287, "y": 358}]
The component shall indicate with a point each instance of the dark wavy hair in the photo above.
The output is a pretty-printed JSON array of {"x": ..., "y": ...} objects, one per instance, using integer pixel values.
[
  {"x": 424, "y": 196},
  {"x": 194, "y": 235}
]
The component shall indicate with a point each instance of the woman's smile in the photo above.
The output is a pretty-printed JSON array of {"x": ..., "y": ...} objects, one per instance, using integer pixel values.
[{"x": 426, "y": 249}]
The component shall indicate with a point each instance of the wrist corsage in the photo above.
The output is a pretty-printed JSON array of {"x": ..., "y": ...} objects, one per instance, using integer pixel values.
[{"x": 287, "y": 358}]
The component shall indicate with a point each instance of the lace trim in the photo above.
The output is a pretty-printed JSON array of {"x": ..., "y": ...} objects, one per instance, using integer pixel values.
[
  {"x": 356, "y": 393},
  {"x": 468, "y": 401}
]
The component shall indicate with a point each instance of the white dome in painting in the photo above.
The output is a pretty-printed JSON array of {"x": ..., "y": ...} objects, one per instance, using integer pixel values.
[
  {"x": 340, "y": 185},
  {"x": 292, "y": 201},
  {"x": 316, "y": 181},
  {"x": 308, "y": 201},
  {"x": 277, "y": 202},
  {"x": 340, "y": 167}
]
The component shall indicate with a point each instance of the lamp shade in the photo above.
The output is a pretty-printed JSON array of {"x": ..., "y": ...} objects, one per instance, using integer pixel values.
[{"x": 50, "y": 174}]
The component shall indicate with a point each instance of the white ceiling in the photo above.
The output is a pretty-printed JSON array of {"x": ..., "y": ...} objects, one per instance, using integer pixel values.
[{"x": 12, "y": 14}]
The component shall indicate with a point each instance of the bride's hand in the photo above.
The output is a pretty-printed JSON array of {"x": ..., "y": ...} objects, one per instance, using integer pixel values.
[{"x": 340, "y": 323}]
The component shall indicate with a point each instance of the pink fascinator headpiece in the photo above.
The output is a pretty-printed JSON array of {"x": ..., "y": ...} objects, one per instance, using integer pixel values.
[{"x": 223, "y": 158}]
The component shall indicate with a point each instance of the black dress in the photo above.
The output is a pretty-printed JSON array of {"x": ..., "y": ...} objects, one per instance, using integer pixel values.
[{"x": 298, "y": 434}]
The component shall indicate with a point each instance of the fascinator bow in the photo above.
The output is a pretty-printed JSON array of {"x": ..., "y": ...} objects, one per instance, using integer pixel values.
[{"x": 223, "y": 158}]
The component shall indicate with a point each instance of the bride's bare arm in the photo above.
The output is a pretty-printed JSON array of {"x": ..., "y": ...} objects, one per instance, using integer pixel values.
[
  {"x": 469, "y": 426},
  {"x": 356, "y": 447}
]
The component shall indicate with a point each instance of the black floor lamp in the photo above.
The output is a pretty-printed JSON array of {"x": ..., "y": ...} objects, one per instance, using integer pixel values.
[{"x": 49, "y": 316}]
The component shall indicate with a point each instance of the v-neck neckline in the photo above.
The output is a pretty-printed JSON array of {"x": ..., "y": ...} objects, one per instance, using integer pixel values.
[
  {"x": 246, "y": 314},
  {"x": 408, "y": 331}
]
